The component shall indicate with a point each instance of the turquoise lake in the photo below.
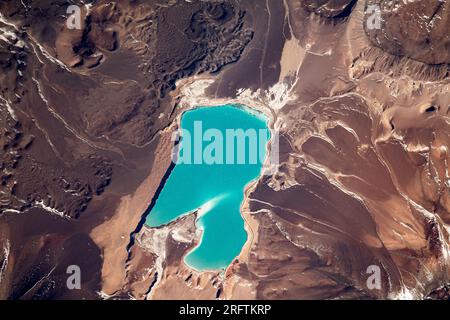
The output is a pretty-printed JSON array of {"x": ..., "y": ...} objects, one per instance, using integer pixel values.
[{"x": 216, "y": 190}]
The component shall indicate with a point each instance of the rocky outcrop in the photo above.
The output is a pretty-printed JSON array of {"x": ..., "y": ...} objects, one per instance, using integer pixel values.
[
  {"x": 416, "y": 29},
  {"x": 329, "y": 8}
]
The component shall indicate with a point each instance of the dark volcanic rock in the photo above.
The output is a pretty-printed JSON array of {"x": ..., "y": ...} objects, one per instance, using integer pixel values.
[
  {"x": 80, "y": 110},
  {"x": 26, "y": 180},
  {"x": 151, "y": 44},
  {"x": 212, "y": 35},
  {"x": 329, "y": 8},
  {"x": 157, "y": 45},
  {"x": 441, "y": 293}
]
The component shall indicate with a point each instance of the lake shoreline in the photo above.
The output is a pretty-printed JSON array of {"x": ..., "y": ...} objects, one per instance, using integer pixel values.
[{"x": 263, "y": 122}]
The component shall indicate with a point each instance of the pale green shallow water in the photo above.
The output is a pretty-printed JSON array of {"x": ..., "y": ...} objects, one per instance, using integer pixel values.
[{"x": 217, "y": 189}]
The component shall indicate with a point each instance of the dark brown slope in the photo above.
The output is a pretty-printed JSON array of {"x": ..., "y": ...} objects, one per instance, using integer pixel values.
[
  {"x": 416, "y": 29},
  {"x": 329, "y": 8}
]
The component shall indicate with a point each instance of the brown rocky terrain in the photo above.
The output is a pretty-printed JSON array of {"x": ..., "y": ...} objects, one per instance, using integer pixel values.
[
  {"x": 416, "y": 29},
  {"x": 329, "y": 8}
]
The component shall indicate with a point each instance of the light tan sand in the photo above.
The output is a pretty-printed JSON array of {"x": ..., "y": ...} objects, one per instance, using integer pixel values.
[
  {"x": 113, "y": 236},
  {"x": 291, "y": 58}
]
